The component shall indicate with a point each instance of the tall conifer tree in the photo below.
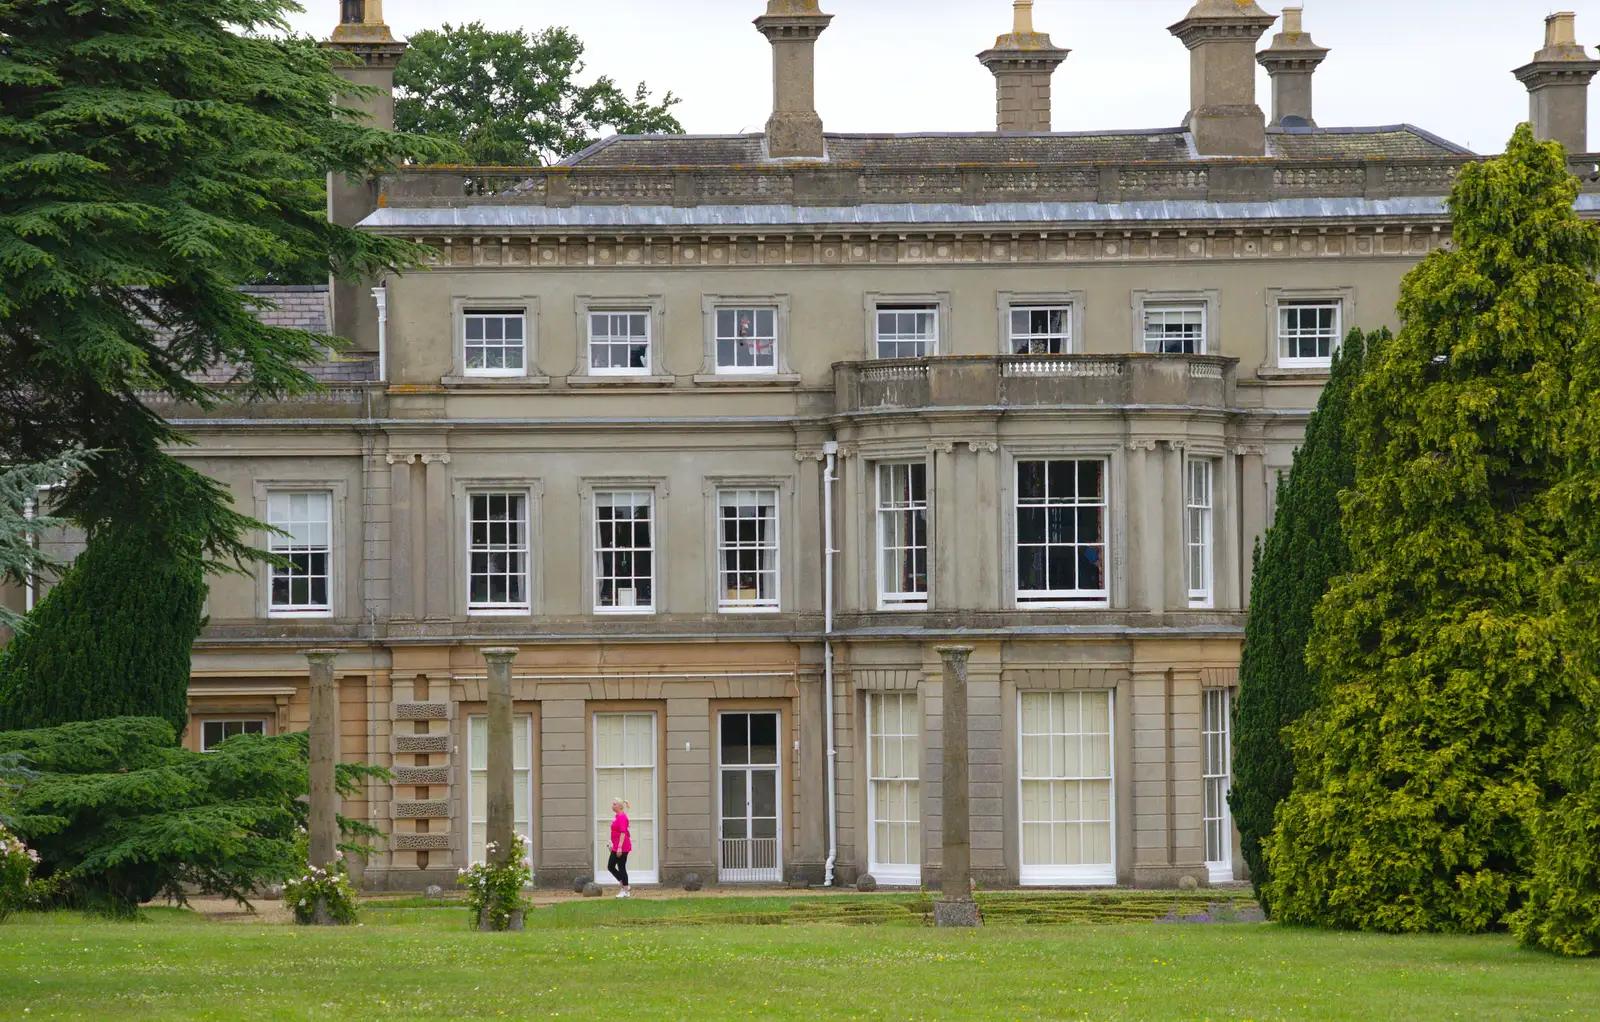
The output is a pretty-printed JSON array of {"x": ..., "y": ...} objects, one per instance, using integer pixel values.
[
  {"x": 1302, "y": 551},
  {"x": 1451, "y": 646},
  {"x": 153, "y": 157}
]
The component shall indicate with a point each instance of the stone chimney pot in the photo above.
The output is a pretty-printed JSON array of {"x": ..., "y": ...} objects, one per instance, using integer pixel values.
[
  {"x": 792, "y": 26},
  {"x": 1223, "y": 116},
  {"x": 1022, "y": 63},
  {"x": 1291, "y": 60},
  {"x": 1558, "y": 85}
]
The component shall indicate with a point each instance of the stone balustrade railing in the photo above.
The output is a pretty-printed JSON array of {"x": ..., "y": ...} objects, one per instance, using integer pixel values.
[
  {"x": 988, "y": 381},
  {"x": 1230, "y": 181}
]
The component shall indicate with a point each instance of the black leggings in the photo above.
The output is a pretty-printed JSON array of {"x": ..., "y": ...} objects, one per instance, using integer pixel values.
[{"x": 618, "y": 867}]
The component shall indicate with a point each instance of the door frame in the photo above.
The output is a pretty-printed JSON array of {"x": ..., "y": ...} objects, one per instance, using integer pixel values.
[
  {"x": 892, "y": 874},
  {"x": 717, "y": 714},
  {"x": 657, "y": 712}
]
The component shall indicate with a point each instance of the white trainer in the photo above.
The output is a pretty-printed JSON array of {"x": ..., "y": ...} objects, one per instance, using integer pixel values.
[{"x": 622, "y": 894}]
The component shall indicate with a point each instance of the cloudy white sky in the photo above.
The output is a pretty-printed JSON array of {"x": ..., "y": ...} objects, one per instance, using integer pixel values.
[{"x": 908, "y": 65}]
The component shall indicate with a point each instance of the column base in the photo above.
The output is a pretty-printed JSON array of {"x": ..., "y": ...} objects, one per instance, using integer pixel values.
[{"x": 956, "y": 913}]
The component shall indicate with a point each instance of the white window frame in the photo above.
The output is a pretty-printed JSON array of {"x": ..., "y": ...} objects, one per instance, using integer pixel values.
[
  {"x": 478, "y": 778},
  {"x": 1216, "y": 740},
  {"x": 261, "y": 728},
  {"x": 597, "y": 552},
  {"x": 1083, "y": 874},
  {"x": 602, "y": 813},
  {"x": 1063, "y": 338},
  {"x": 892, "y": 598},
  {"x": 1072, "y": 302},
  {"x": 756, "y": 310},
  {"x": 1286, "y": 337},
  {"x": 1199, "y": 540},
  {"x": 614, "y": 340},
  {"x": 1158, "y": 345},
  {"x": 527, "y": 306},
  {"x": 895, "y": 874},
  {"x": 1045, "y": 599},
  {"x": 282, "y": 545},
  {"x": 768, "y": 552},
  {"x": 490, "y": 608},
  {"x": 1276, "y": 365},
  {"x": 936, "y": 302},
  {"x": 482, "y": 314},
  {"x": 653, "y": 308},
  {"x": 1208, "y": 303}
]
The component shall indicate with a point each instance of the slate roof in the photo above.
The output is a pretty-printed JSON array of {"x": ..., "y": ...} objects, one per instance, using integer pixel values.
[
  {"x": 302, "y": 307},
  {"x": 946, "y": 149}
]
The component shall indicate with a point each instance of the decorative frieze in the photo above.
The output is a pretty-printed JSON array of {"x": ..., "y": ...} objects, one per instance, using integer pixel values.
[{"x": 1049, "y": 247}]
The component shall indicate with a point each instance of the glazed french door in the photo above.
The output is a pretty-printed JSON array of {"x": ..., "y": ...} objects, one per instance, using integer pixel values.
[{"x": 749, "y": 781}]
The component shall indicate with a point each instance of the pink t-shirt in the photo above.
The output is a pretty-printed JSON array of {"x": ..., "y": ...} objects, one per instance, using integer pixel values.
[{"x": 621, "y": 840}]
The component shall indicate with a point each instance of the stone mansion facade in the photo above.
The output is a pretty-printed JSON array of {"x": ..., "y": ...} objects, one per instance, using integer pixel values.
[{"x": 728, "y": 433}]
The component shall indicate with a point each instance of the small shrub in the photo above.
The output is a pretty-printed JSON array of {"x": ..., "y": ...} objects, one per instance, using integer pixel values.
[
  {"x": 16, "y": 873},
  {"x": 494, "y": 892},
  {"x": 331, "y": 886}
]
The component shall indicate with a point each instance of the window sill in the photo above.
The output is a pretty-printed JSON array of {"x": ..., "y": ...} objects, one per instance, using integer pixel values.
[
  {"x": 621, "y": 381},
  {"x": 625, "y": 611},
  {"x": 1293, "y": 373},
  {"x": 1101, "y": 604},
  {"x": 892, "y": 608},
  {"x": 747, "y": 380},
  {"x": 298, "y": 615},
  {"x": 737, "y": 611},
  {"x": 495, "y": 382},
  {"x": 499, "y": 612}
]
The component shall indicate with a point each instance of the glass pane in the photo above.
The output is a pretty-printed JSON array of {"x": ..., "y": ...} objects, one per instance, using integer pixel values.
[
  {"x": 764, "y": 738},
  {"x": 764, "y": 793},
  {"x": 735, "y": 738}
]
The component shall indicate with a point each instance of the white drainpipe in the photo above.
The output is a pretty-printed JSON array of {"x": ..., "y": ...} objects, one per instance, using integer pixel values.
[
  {"x": 831, "y": 449},
  {"x": 381, "y": 296},
  {"x": 30, "y": 592}
]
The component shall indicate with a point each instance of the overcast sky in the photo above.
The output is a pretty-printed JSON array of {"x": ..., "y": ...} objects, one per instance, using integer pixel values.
[{"x": 909, "y": 65}]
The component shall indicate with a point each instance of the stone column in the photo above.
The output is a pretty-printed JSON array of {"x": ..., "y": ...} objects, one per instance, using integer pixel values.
[
  {"x": 324, "y": 824},
  {"x": 501, "y": 785},
  {"x": 955, "y": 906},
  {"x": 402, "y": 530}
]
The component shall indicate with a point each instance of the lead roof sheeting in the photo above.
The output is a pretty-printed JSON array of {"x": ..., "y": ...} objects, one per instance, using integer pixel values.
[
  {"x": 470, "y": 218},
  {"x": 930, "y": 150}
]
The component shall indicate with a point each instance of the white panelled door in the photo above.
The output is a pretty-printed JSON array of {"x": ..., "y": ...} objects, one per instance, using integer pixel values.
[
  {"x": 1066, "y": 779},
  {"x": 625, "y": 767},
  {"x": 478, "y": 780},
  {"x": 894, "y": 758}
]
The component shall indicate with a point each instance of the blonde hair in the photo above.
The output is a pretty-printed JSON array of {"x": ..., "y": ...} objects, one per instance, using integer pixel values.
[{"x": 624, "y": 803}]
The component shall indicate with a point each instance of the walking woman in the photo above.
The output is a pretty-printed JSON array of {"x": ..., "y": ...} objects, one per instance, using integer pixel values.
[{"x": 621, "y": 845}]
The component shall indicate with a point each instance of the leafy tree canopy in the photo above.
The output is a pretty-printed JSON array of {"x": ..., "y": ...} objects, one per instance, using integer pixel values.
[
  {"x": 1464, "y": 633},
  {"x": 23, "y": 515},
  {"x": 153, "y": 157},
  {"x": 511, "y": 99},
  {"x": 1302, "y": 551},
  {"x": 119, "y": 814}
]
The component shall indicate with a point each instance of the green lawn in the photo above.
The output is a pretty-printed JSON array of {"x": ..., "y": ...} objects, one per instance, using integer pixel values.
[{"x": 678, "y": 960}]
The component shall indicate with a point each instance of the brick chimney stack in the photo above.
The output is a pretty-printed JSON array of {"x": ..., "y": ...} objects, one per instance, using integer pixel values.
[
  {"x": 363, "y": 35},
  {"x": 1223, "y": 116},
  {"x": 1291, "y": 60},
  {"x": 1022, "y": 63},
  {"x": 792, "y": 26},
  {"x": 1558, "y": 85}
]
